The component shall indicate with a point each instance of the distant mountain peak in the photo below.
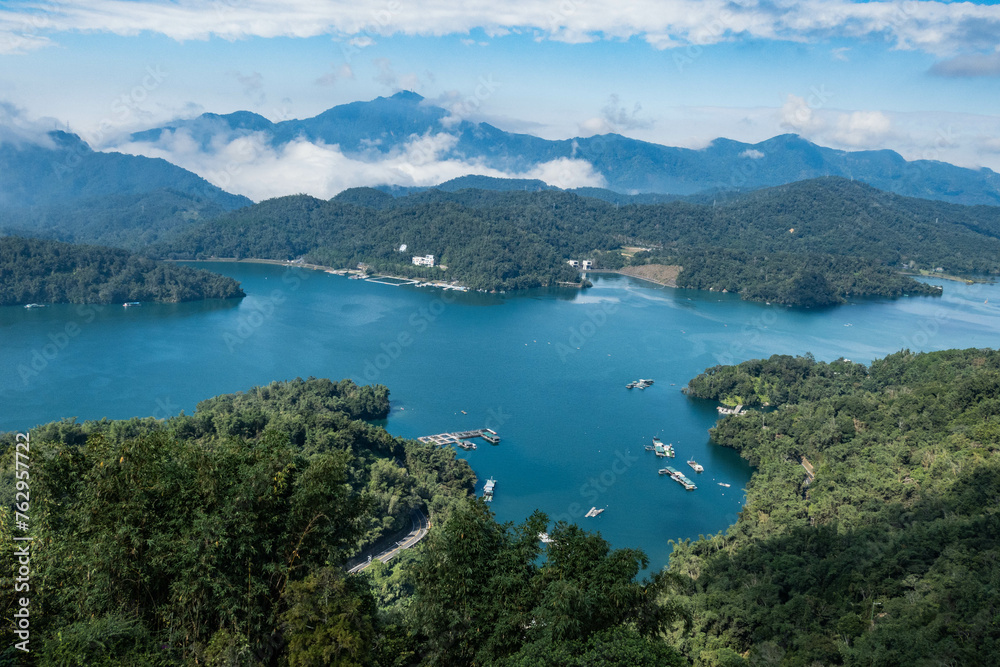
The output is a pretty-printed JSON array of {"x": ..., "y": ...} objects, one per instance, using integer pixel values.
[{"x": 407, "y": 96}]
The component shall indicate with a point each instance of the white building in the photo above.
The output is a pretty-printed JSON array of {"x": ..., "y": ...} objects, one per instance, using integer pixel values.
[
  {"x": 575, "y": 264},
  {"x": 586, "y": 265},
  {"x": 426, "y": 260}
]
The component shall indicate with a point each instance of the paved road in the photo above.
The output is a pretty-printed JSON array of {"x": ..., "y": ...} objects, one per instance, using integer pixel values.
[{"x": 420, "y": 527}]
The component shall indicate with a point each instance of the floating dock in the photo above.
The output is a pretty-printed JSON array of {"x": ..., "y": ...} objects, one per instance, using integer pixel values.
[
  {"x": 660, "y": 449},
  {"x": 456, "y": 438},
  {"x": 390, "y": 280},
  {"x": 488, "y": 490},
  {"x": 730, "y": 411},
  {"x": 678, "y": 477}
]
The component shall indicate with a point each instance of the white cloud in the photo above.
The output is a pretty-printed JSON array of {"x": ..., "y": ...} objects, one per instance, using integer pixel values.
[
  {"x": 752, "y": 153},
  {"x": 393, "y": 80},
  {"x": 335, "y": 74},
  {"x": 862, "y": 128},
  {"x": 17, "y": 128},
  {"x": 593, "y": 126},
  {"x": 250, "y": 166},
  {"x": 797, "y": 115},
  {"x": 933, "y": 26}
]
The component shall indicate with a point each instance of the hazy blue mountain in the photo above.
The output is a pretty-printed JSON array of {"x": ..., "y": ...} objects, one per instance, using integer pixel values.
[
  {"x": 628, "y": 165},
  {"x": 64, "y": 169},
  {"x": 59, "y": 188}
]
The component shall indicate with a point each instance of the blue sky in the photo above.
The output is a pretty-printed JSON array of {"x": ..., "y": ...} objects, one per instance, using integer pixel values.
[{"x": 922, "y": 78}]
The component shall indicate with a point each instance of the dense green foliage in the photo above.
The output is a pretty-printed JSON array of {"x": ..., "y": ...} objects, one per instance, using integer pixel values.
[
  {"x": 889, "y": 555},
  {"x": 810, "y": 243},
  {"x": 481, "y": 597},
  {"x": 129, "y": 221},
  {"x": 217, "y": 537},
  {"x": 37, "y": 271},
  {"x": 788, "y": 278}
]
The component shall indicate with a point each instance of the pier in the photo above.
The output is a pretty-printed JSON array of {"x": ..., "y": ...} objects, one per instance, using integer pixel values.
[{"x": 456, "y": 438}]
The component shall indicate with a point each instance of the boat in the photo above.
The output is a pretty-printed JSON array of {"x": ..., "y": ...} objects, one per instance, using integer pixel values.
[
  {"x": 723, "y": 484},
  {"x": 593, "y": 511},
  {"x": 492, "y": 439},
  {"x": 697, "y": 466},
  {"x": 466, "y": 445},
  {"x": 630, "y": 385},
  {"x": 488, "y": 490},
  {"x": 35, "y": 305},
  {"x": 649, "y": 448},
  {"x": 131, "y": 304}
]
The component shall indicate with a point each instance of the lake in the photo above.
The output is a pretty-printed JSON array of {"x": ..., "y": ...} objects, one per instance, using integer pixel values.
[{"x": 547, "y": 369}]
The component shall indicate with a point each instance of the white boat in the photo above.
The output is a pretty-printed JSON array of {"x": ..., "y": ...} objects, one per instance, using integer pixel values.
[
  {"x": 131, "y": 304},
  {"x": 723, "y": 484},
  {"x": 593, "y": 511},
  {"x": 697, "y": 466}
]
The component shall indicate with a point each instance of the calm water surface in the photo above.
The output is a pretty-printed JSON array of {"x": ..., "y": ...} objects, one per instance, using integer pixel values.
[{"x": 547, "y": 369}]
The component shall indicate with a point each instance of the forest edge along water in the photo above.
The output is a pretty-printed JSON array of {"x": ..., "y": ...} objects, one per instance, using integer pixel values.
[{"x": 545, "y": 368}]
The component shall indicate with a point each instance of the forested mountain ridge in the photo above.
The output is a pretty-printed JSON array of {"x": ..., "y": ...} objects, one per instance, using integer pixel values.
[
  {"x": 129, "y": 221},
  {"x": 386, "y": 124},
  {"x": 55, "y": 186},
  {"x": 871, "y": 532},
  {"x": 811, "y": 243},
  {"x": 60, "y": 168},
  {"x": 39, "y": 271}
]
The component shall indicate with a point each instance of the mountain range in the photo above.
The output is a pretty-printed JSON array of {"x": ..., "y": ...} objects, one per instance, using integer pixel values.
[
  {"x": 371, "y": 130},
  {"x": 57, "y": 186}
]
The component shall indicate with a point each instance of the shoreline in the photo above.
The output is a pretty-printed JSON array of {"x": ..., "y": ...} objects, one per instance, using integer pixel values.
[
  {"x": 670, "y": 283},
  {"x": 329, "y": 269}
]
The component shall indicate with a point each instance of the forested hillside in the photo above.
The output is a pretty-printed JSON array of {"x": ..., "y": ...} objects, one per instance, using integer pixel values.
[
  {"x": 810, "y": 243},
  {"x": 37, "y": 271},
  {"x": 220, "y": 537},
  {"x": 888, "y": 555},
  {"x": 129, "y": 221}
]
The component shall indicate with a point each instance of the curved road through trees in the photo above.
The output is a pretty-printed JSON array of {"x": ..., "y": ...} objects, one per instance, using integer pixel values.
[{"x": 419, "y": 529}]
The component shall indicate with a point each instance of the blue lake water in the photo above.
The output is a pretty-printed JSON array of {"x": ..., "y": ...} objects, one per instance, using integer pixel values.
[{"x": 547, "y": 369}]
